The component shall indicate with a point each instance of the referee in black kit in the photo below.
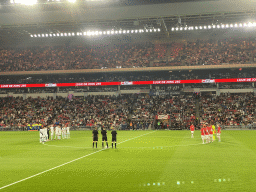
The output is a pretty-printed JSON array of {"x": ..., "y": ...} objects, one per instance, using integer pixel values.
[
  {"x": 104, "y": 137},
  {"x": 114, "y": 133},
  {"x": 95, "y": 135}
]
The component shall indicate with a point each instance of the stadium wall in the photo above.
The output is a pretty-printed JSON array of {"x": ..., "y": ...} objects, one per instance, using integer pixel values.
[{"x": 135, "y": 91}]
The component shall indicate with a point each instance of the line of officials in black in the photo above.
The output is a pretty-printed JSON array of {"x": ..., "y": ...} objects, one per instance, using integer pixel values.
[{"x": 95, "y": 136}]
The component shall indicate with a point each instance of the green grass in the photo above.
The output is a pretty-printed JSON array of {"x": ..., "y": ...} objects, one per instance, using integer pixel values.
[{"x": 156, "y": 161}]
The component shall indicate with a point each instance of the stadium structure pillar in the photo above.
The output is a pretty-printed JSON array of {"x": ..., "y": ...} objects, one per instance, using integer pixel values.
[
  {"x": 58, "y": 89},
  {"x": 118, "y": 87},
  {"x": 28, "y": 90},
  {"x": 150, "y": 87},
  {"x": 252, "y": 84},
  {"x": 217, "y": 85}
]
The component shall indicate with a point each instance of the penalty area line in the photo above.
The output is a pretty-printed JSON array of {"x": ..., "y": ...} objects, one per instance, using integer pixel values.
[{"x": 64, "y": 164}]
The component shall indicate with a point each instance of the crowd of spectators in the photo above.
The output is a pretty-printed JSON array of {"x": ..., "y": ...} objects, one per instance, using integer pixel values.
[
  {"x": 200, "y": 52},
  {"x": 130, "y": 76},
  {"x": 141, "y": 110}
]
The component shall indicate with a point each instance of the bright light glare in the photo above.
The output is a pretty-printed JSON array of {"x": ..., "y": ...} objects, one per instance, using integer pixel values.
[
  {"x": 200, "y": 27},
  {"x": 100, "y": 32},
  {"x": 158, "y": 30},
  {"x": 112, "y": 32},
  {"x": 120, "y": 32},
  {"x": 172, "y": 29},
  {"x": 72, "y": 1},
  {"x": 77, "y": 33},
  {"x": 31, "y": 36},
  {"x": 124, "y": 31},
  {"x": 196, "y": 27},
  {"x": 50, "y": 35},
  {"x": 128, "y": 31},
  {"x": 69, "y": 34},
  {"x": 205, "y": 27}
]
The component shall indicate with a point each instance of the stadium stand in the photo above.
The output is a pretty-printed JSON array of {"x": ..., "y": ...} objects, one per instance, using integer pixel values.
[{"x": 200, "y": 52}]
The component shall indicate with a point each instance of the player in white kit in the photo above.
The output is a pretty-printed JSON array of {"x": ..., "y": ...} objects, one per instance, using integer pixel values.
[
  {"x": 68, "y": 132},
  {"x": 43, "y": 135}
]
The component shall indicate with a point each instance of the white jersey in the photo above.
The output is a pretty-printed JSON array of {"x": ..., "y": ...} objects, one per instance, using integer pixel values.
[
  {"x": 67, "y": 129},
  {"x": 52, "y": 130},
  {"x": 43, "y": 132}
]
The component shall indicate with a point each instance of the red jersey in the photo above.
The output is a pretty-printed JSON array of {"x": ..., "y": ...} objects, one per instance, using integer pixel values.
[
  {"x": 202, "y": 131},
  {"x": 192, "y": 128},
  {"x": 206, "y": 131},
  {"x": 210, "y": 130},
  {"x": 219, "y": 130}
]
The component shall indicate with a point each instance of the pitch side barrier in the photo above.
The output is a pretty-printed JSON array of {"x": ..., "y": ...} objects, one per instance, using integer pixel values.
[{"x": 122, "y": 83}]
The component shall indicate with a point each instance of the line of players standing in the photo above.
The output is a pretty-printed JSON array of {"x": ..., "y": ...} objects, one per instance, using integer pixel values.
[
  {"x": 95, "y": 137},
  {"x": 57, "y": 132},
  {"x": 207, "y": 132}
]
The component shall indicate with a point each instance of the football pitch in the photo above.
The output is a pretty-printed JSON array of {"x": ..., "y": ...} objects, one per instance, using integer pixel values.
[{"x": 143, "y": 161}]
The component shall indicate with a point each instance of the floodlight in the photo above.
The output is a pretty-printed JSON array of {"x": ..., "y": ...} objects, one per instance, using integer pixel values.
[
  {"x": 35, "y": 35},
  {"x": 249, "y": 24},
  {"x": 240, "y": 25},
  {"x": 214, "y": 26},
  {"x": 104, "y": 32},
  {"x": 65, "y": 34},
  {"x": 200, "y": 27},
  {"x": 84, "y": 33},
  {"x": 177, "y": 28},
  {"x": 39, "y": 35},
  {"x": 61, "y": 34},
  {"x": 254, "y": 24},
  {"x": 150, "y": 30},
  {"x": 227, "y": 25},
  {"x": 140, "y": 31},
  {"x": 42, "y": 35},
  {"x": 192, "y": 28},
  {"x": 120, "y": 32},
  {"x": 181, "y": 28},
  {"x": 72, "y": 1},
  {"x": 231, "y": 25},
  {"x": 172, "y": 29},
  {"x": 69, "y": 34},
  {"x": 209, "y": 26},
  {"x": 236, "y": 25},
  {"x": 205, "y": 27},
  {"x": 136, "y": 31},
  {"x": 108, "y": 32},
  {"x": 128, "y": 31},
  {"x": 124, "y": 31},
  {"x": 218, "y": 26},
  {"x": 245, "y": 24},
  {"x": 100, "y": 32},
  {"x": 116, "y": 32},
  {"x": 77, "y": 33},
  {"x": 31, "y": 36},
  {"x": 158, "y": 30},
  {"x": 185, "y": 28},
  {"x": 131, "y": 31},
  {"x": 46, "y": 35},
  {"x": 154, "y": 30},
  {"x": 196, "y": 27},
  {"x": 96, "y": 32},
  {"x": 50, "y": 35}
]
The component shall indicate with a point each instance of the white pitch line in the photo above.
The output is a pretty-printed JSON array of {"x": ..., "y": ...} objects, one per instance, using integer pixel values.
[{"x": 64, "y": 164}]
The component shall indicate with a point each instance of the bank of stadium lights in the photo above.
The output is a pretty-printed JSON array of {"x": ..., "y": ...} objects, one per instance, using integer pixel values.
[
  {"x": 99, "y": 33},
  {"x": 221, "y": 26}
]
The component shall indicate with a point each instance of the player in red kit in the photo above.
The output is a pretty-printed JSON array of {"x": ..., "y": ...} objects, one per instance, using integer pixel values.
[
  {"x": 203, "y": 133},
  {"x": 210, "y": 130},
  {"x": 192, "y": 129},
  {"x": 206, "y": 133},
  {"x": 218, "y": 132}
]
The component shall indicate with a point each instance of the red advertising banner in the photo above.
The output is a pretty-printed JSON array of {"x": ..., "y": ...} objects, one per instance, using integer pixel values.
[{"x": 162, "y": 82}]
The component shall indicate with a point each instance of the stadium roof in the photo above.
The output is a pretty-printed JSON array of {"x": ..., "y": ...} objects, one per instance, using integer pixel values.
[{"x": 80, "y": 16}]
